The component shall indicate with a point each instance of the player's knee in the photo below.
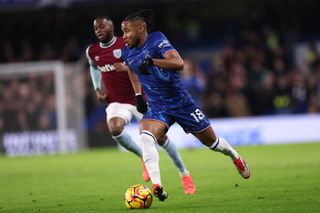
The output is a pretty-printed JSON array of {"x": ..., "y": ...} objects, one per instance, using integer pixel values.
[
  {"x": 116, "y": 130},
  {"x": 162, "y": 140},
  {"x": 207, "y": 137},
  {"x": 116, "y": 126},
  {"x": 210, "y": 140}
]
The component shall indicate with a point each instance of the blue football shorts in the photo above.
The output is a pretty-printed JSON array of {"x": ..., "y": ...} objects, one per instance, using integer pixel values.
[{"x": 189, "y": 116}]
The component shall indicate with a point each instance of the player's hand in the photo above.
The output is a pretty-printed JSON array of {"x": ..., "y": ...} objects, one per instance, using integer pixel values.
[
  {"x": 120, "y": 67},
  {"x": 102, "y": 97},
  {"x": 143, "y": 68},
  {"x": 141, "y": 104}
]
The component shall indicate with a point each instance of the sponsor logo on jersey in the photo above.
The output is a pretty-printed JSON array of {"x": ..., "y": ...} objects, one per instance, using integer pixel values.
[
  {"x": 117, "y": 53},
  {"x": 106, "y": 68}
]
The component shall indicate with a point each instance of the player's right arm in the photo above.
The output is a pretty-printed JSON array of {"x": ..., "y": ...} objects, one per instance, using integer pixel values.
[
  {"x": 122, "y": 67},
  {"x": 134, "y": 81},
  {"x": 141, "y": 104},
  {"x": 96, "y": 79}
]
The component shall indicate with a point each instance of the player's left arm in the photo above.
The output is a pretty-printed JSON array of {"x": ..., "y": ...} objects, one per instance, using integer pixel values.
[{"x": 172, "y": 61}]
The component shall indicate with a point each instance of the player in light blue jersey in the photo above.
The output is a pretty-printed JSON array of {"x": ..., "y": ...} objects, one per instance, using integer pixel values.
[{"x": 155, "y": 63}]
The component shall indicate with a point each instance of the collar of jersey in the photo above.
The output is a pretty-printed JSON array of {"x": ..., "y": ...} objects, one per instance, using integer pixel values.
[{"x": 111, "y": 42}]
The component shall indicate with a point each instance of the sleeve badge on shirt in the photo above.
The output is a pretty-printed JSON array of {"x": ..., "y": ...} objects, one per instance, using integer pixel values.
[
  {"x": 117, "y": 53},
  {"x": 164, "y": 44}
]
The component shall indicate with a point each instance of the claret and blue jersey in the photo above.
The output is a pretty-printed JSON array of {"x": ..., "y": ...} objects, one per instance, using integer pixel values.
[{"x": 165, "y": 92}]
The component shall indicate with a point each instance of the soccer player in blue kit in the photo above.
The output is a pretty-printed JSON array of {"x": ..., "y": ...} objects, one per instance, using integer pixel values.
[
  {"x": 155, "y": 63},
  {"x": 120, "y": 97}
]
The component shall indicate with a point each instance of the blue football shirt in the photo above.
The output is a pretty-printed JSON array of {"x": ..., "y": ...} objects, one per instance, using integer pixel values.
[
  {"x": 162, "y": 87},
  {"x": 168, "y": 100}
]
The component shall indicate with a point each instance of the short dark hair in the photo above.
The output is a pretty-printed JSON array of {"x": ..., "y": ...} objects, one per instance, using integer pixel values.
[
  {"x": 102, "y": 16},
  {"x": 145, "y": 15}
]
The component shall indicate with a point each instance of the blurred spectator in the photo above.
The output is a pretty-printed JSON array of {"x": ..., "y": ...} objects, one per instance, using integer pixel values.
[
  {"x": 214, "y": 101},
  {"x": 193, "y": 79},
  {"x": 313, "y": 87},
  {"x": 236, "y": 100},
  {"x": 313, "y": 54},
  {"x": 282, "y": 99},
  {"x": 298, "y": 93},
  {"x": 271, "y": 38},
  {"x": 192, "y": 31}
]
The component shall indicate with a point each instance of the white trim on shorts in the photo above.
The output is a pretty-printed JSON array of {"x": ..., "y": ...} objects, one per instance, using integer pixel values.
[
  {"x": 160, "y": 121},
  {"x": 124, "y": 111}
]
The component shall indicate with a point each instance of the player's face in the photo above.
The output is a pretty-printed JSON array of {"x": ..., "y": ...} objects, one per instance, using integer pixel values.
[
  {"x": 103, "y": 29},
  {"x": 130, "y": 33}
]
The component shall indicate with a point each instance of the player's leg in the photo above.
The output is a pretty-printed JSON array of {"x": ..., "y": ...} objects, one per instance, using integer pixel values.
[
  {"x": 209, "y": 138},
  {"x": 173, "y": 153},
  {"x": 193, "y": 120},
  {"x": 171, "y": 149},
  {"x": 116, "y": 128},
  {"x": 150, "y": 131},
  {"x": 118, "y": 116},
  {"x": 168, "y": 146}
]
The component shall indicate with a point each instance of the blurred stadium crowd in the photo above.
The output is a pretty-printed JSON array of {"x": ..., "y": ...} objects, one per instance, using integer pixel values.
[
  {"x": 246, "y": 67},
  {"x": 27, "y": 104}
]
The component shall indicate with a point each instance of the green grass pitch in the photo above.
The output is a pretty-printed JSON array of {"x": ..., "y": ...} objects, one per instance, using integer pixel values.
[{"x": 285, "y": 178}]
